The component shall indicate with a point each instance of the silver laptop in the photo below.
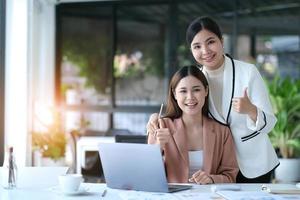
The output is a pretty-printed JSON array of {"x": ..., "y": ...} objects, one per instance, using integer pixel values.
[{"x": 135, "y": 167}]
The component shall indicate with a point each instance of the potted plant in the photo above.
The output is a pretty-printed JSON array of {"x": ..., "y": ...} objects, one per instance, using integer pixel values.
[
  {"x": 285, "y": 137},
  {"x": 50, "y": 142}
]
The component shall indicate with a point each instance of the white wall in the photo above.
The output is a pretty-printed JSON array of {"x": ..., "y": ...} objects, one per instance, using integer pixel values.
[
  {"x": 29, "y": 69},
  {"x": 16, "y": 86}
]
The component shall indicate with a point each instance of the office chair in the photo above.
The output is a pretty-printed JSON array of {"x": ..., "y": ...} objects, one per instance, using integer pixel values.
[{"x": 131, "y": 138}]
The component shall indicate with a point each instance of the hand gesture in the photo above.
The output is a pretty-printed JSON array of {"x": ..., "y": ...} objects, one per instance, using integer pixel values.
[
  {"x": 243, "y": 105},
  {"x": 163, "y": 134},
  {"x": 201, "y": 177},
  {"x": 152, "y": 124}
]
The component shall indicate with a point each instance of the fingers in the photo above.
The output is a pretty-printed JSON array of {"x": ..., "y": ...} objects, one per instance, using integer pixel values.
[
  {"x": 161, "y": 123},
  {"x": 241, "y": 104},
  {"x": 245, "y": 93},
  {"x": 200, "y": 177},
  {"x": 152, "y": 124},
  {"x": 163, "y": 136},
  {"x": 236, "y": 104},
  {"x": 153, "y": 117}
]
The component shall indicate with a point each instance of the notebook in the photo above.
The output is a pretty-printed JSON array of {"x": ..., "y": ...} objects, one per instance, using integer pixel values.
[{"x": 135, "y": 167}]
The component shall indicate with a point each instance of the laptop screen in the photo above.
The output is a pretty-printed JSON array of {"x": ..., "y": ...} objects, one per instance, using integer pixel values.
[{"x": 133, "y": 166}]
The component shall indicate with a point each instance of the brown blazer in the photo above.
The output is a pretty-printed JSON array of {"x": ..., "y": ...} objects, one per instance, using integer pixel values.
[{"x": 218, "y": 152}]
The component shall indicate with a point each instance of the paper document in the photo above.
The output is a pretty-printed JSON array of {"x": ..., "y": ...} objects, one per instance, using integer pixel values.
[
  {"x": 243, "y": 195},
  {"x": 196, "y": 196},
  {"x": 281, "y": 189},
  {"x": 222, "y": 187},
  {"x": 138, "y": 195}
]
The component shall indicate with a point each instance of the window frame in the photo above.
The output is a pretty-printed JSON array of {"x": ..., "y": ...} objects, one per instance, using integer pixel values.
[{"x": 2, "y": 76}]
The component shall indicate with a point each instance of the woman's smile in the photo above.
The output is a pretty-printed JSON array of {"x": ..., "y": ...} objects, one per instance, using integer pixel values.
[{"x": 191, "y": 105}]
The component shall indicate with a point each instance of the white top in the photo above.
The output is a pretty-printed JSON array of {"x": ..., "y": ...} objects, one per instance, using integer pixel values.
[
  {"x": 215, "y": 79},
  {"x": 195, "y": 161}
]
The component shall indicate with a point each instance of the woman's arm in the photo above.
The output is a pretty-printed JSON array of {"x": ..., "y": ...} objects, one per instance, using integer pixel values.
[
  {"x": 255, "y": 103},
  {"x": 259, "y": 96}
]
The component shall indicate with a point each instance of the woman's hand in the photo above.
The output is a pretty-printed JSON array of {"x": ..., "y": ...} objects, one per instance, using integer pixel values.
[
  {"x": 243, "y": 105},
  {"x": 201, "y": 177},
  {"x": 152, "y": 124},
  {"x": 162, "y": 135}
]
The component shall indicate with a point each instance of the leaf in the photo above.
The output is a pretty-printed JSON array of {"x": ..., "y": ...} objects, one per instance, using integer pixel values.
[{"x": 285, "y": 100}]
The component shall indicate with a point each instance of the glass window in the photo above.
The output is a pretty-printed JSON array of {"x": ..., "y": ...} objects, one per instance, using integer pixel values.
[
  {"x": 86, "y": 58},
  {"x": 117, "y": 57},
  {"x": 94, "y": 123},
  {"x": 278, "y": 55},
  {"x": 133, "y": 122},
  {"x": 139, "y": 59}
]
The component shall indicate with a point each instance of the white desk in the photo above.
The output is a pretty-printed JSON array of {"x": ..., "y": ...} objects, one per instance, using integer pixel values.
[
  {"x": 89, "y": 144},
  {"x": 95, "y": 191}
]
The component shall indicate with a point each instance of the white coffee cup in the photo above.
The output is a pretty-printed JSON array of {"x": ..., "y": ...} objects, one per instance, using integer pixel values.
[{"x": 70, "y": 182}]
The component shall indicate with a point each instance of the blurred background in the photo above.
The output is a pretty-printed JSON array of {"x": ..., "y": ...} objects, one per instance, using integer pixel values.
[{"x": 92, "y": 68}]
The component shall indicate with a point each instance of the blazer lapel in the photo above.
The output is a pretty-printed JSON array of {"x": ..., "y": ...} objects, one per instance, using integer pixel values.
[
  {"x": 228, "y": 87},
  {"x": 180, "y": 139},
  {"x": 209, "y": 138}
]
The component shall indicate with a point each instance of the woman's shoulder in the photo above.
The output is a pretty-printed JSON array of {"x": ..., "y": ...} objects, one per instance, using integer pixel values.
[
  {"x": 217, "y": 126},
  {"x": 244, "y": 66}
]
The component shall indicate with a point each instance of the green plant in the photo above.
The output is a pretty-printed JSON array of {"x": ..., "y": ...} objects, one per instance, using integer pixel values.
[
  {"x": 52, "y": 141},
  {"x": 285, "y": 99}
]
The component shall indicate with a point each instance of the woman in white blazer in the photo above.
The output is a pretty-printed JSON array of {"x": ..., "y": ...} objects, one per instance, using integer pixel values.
[{"x": 238, "y": 98}]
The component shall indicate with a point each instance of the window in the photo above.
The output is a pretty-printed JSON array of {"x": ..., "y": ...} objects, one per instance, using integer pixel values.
[
  {"x": 115, "y": 58},
  {"x": 111, "y": 65}
]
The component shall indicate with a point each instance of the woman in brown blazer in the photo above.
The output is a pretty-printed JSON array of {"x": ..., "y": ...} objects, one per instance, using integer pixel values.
[{"x": 196, "y": 148}]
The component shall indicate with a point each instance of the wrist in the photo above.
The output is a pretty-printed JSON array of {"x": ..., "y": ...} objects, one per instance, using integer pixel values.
[{"x": 253, "y": 112}]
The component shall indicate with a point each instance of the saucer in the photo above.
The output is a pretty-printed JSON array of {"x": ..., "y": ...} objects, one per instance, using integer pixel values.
[{"x": 80, "y": 191}]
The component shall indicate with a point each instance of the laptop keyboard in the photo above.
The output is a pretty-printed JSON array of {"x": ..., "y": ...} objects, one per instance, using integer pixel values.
[{"x": 176, "y": 188}]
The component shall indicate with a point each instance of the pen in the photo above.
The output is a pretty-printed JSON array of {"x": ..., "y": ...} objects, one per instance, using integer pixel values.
[
  {"x": 159, "y": 115},
  {"x": 104, "y": 193},
  {"x": 160, "y": 112}
]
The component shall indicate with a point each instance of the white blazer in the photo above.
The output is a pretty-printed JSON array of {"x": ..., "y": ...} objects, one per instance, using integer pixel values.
[{"x": 254, "y": 151}]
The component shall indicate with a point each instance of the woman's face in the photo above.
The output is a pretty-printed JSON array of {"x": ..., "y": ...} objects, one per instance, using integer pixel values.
[
  {"x": 190, "y": 95},
  {"x": 207, "y": 49}
]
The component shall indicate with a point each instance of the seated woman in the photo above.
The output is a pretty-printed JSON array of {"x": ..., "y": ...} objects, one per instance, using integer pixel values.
[{"x": 196, "y": 148}]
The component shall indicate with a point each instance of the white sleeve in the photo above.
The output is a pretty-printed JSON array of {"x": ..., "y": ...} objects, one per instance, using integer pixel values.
[
  {"x": 259, "y": 121},
  {"x": 259, "y": 96}
]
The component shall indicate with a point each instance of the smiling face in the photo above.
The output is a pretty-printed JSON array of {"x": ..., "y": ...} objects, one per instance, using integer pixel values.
[
  {"x": 190, "y": 95},
  {"x": 207, "y": 49}
]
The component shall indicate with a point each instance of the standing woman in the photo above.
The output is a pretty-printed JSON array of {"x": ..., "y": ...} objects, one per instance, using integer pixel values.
[{"x": 238, "y": 98}]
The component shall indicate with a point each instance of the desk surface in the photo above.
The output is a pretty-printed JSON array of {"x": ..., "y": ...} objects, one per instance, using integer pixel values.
[{"x": 95, "y": 191}]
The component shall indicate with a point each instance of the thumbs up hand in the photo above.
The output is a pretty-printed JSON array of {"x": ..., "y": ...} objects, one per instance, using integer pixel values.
[
  {"x": 162, "y": 134},
  {"x": 243, "y": 105}
]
